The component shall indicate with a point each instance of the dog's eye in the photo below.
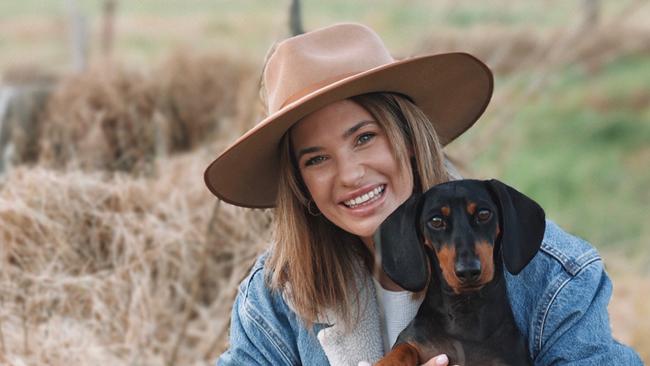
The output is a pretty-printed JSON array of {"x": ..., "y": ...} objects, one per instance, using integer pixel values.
[
  {"x": 483, "y": 215},
  {"x": 437, "y": 223}
]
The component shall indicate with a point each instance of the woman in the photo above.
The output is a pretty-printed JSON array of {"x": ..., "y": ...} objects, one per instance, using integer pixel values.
[{"x": 351, "y": 134}]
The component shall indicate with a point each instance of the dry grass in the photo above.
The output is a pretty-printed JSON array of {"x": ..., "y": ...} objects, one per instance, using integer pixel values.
[
  {"x": 102, "y": 264},
  {"x": 115, "y": 118},
  {"x": 100, "y": 119},
  {"x": 110, "y": 268},
  {"x": 199, "y": 94},
  {"x": 507, "y": 50},
  {"x": 629, "y": 309},
  {"x": 100, "y": 268}
]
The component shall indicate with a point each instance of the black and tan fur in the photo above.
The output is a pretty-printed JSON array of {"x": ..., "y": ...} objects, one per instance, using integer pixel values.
[{"x": 454, "y": 240}]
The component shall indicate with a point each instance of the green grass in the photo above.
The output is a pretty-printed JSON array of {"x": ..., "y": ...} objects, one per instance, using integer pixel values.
[{"x": 583, "y": 151}]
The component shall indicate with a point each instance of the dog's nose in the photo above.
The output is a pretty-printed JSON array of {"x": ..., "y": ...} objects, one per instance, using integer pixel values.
[{"x": 468, "y": 270}]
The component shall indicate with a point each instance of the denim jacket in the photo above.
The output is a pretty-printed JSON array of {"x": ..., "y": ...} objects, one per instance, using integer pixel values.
[{"x": 559, "y": 303}]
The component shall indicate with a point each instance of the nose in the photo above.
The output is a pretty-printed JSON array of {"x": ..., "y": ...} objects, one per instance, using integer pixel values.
[
  {"x": 468, "y": 269},
  {"x": 351, "y": 171}
]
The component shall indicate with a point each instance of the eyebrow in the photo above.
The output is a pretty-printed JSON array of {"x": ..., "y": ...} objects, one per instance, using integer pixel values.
[
  {"x": 346, "y": 134},
  {"x": 356, "y": 128},
  {"x": 307, "y": 150}
]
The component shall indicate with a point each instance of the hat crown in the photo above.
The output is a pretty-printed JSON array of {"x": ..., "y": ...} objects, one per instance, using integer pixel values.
[{"x": 305, "y": 63}]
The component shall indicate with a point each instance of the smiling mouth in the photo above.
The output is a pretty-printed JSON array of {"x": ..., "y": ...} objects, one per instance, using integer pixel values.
[{"x": 365, "y": 198}]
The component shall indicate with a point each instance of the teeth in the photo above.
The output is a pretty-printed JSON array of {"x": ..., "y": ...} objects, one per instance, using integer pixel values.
[{"x": 365, "y": 197}]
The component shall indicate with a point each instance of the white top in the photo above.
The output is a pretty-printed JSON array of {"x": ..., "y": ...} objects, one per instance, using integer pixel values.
[{"x": 397, "y": 309}]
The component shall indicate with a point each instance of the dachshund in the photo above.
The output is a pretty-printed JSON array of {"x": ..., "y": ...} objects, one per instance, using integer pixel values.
[{"x": 454, "y": 240}]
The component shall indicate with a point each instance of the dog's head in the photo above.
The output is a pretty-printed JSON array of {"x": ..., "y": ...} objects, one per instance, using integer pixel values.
[{"x": 464, "y": 223}]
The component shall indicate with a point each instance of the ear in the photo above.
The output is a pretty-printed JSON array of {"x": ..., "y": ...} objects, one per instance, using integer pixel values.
[
  {"x": 400, "y": 250},
  {"x": 522, "y": 223}
]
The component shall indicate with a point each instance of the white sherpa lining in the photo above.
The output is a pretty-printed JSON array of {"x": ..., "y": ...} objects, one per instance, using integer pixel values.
[{"x": 348, "y": 347}]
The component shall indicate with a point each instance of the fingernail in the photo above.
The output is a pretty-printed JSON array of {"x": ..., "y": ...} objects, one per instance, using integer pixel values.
[{"x": 442, "y": 360}]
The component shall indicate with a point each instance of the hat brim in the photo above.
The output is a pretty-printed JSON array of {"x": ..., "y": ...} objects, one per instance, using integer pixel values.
[{"x": 452, "y": 89}]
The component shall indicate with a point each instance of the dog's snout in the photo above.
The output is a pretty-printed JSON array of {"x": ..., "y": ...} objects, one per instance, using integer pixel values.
[{"x": 468, "y": 270}]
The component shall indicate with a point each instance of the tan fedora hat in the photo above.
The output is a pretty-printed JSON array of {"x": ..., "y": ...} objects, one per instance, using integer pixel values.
[{"x": 309, "y": 71}]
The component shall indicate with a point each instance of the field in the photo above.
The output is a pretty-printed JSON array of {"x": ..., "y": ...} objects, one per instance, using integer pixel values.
[{"x": 113, "y": 252}]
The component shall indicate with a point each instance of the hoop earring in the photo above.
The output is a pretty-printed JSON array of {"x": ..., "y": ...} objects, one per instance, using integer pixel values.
[{"x": 313, "y": 212}]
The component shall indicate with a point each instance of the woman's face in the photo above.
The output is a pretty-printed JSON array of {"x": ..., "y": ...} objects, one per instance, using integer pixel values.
[{"x": 347, "y": 164}]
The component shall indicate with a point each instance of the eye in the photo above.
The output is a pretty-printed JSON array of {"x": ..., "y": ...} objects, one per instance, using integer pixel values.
[
  {"x": 437, "y": 223},
  {"x": 315, "y": 160},
  {"x": 364, "y": 138},
  {"x": 483, "y": 215}
]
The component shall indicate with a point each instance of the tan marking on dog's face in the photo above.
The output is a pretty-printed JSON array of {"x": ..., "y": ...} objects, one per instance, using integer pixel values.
[
  {"x": 471, "y": 208},
  {"x": 484, "y": 251},
  {"x": 445, "y": 210},
  {"x": 447, "y": 259}
]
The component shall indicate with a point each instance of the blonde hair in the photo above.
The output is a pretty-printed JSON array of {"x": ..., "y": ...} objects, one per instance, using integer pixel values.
[{"x": 313, "y": 261}]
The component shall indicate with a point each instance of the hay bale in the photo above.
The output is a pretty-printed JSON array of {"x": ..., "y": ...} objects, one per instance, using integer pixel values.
[
  {"x": 114, "y": 118},
  {"x": 99, "y": 119},
  {"x": 139, "y": 270},
  {"x": 198, "y": 94}
]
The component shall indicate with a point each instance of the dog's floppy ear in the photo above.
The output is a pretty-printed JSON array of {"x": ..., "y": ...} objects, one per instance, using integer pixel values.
[
  {"x": 522, "y": 223},
  {"x": 400, "y": 249}
]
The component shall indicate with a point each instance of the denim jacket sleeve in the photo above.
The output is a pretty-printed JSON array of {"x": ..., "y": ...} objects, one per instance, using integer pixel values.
[
  {"x": 253, "y": 341},
  {"x": 560, "y": 304},
  {"x": 265, "y": 331}
]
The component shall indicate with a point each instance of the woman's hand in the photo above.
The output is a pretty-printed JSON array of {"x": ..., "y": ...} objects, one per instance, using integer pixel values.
[{"x": 440, "y": 360}]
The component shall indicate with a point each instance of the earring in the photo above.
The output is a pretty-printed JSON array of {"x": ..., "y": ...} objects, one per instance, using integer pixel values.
[{"x": 315, "y": 211}]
